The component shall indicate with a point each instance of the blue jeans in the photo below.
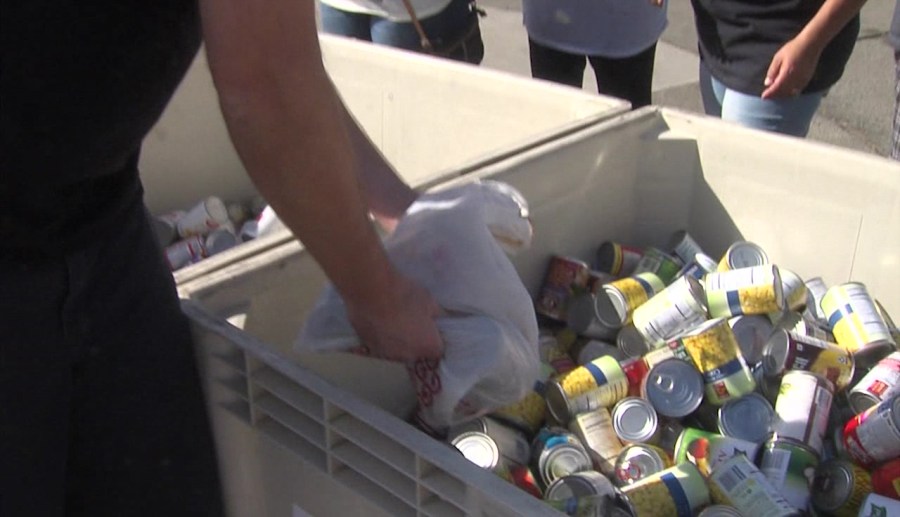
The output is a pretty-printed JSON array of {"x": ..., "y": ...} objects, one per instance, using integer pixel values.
[
  {"x": 789, "y": 116},
  {"x": 445, "y": 25}
]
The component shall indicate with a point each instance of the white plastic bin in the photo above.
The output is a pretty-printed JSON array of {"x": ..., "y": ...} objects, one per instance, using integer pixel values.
[
  {"x": 428, "y": 117},
  {"x": 285, "y": 422}
]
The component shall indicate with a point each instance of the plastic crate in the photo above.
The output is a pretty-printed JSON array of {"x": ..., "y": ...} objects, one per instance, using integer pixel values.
[
  {"x": 427, "y": 116},
  {"x": 286, "y": 421}
]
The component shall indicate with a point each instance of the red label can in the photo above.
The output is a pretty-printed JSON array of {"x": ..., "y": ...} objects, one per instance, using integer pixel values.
[
  {"x": 886, "y": 479},
  {"x": 874, "y": 435}
]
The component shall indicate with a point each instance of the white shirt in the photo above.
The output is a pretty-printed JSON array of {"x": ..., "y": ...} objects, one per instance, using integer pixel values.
[
  {"x": 390, "y": 9},
  {"x": 608, "y": 28}
]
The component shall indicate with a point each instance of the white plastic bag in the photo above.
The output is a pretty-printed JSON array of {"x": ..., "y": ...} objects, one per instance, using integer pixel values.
[{"x": 453, "y": 242}]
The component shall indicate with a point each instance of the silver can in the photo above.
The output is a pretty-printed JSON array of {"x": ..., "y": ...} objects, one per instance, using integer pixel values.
[
  {"x": 677, "y": 308},
  {"x": 802, "y": 408},
  {"x": 511, "y": 443},
  {"x": 674, "y": 387},
  {"x": 748, "y": 417},
  {"x": 635, "y": 421},
  {"x": 880, "y": 383}
]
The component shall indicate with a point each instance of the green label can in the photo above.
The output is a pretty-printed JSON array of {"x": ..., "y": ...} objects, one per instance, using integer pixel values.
[
  {"x": 709, "y": 450},
  {"x": 790, "y": 465}
]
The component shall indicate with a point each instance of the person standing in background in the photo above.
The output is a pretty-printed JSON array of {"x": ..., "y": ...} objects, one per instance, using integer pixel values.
[
  {"x": 101, "y": 409},
  {"x": 894, "y": 38},
  {"x": 389, "y": 23},
  {"x": 618, "y": 38},
  {"x": 767, "y": 65}
]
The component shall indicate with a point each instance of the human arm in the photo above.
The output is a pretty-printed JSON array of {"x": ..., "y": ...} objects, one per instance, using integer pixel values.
[
  {"x": 794, "y": 64},
  {"x": 291, "y": 131},
  {"x": 386, "y": 195}
]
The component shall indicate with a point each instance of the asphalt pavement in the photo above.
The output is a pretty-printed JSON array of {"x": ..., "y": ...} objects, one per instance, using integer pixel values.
[{"x": 856, "y": 113}]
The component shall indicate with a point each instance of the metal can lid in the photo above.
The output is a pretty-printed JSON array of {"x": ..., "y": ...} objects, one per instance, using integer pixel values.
[
  {"x": 557, "y": 401},
  {"x": 720, "y": 510},
  {"x": 746, "y": 254},
  {"x": 636, "y": 462},
  {"x": 478, "y": 448},
  {"x": 579, "y": 484},
  {"x": 674, "y": 387},
  {"x": 747, "y": 417},
  {"x": 611, "y": 307},
  {"x": 635, "y": 420},
  {"x": 562, "y": 460},
  {"x": 861, "y": 400},
  {"x": 776, "y": 352},
  {"x": 752, "y": 334},
  {"x": 832, "y": 484},
  {"x": 631, "y": 342},
  {"x": 705, "y": 262}
]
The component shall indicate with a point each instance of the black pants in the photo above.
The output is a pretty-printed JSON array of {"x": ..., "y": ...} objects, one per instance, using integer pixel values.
[
  {"x": 629, "y": 78},
  {"x": 101, "y": 409}
]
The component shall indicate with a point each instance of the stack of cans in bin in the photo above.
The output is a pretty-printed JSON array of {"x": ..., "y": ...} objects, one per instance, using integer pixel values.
[
  {"x": 676, "y": 384},
  {"x": 209, "y": 227}
]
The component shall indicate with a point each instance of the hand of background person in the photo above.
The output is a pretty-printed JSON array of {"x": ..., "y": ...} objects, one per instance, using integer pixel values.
[
  {"x": 399, "y": 326},
  {"x": 791, "y": 70},
  {"x": 657, "y": 3}
]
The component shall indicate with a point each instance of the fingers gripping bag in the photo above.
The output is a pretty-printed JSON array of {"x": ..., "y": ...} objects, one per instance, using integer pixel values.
[{"x": 454, "y": 242}]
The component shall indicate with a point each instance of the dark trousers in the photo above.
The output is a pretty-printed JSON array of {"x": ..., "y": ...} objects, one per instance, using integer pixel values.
[
  {"x": 629, "y": 78},
  {"x": 101, "y": 409}
]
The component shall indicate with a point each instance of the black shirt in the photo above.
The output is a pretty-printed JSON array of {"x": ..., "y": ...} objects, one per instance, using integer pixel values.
[
  {"x": 81, "y": 84},
  {"x": 738, "y": 39}
]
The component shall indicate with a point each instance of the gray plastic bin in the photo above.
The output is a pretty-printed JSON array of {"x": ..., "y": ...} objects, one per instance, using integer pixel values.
[
  {"x": 325, "y": 433},
  {"x": 428, "y": 116}
]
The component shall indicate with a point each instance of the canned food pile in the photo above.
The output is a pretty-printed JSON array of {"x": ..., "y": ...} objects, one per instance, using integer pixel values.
[
  {"x": 680, "y": 385},
  {"x": 208, "y": 228}
]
